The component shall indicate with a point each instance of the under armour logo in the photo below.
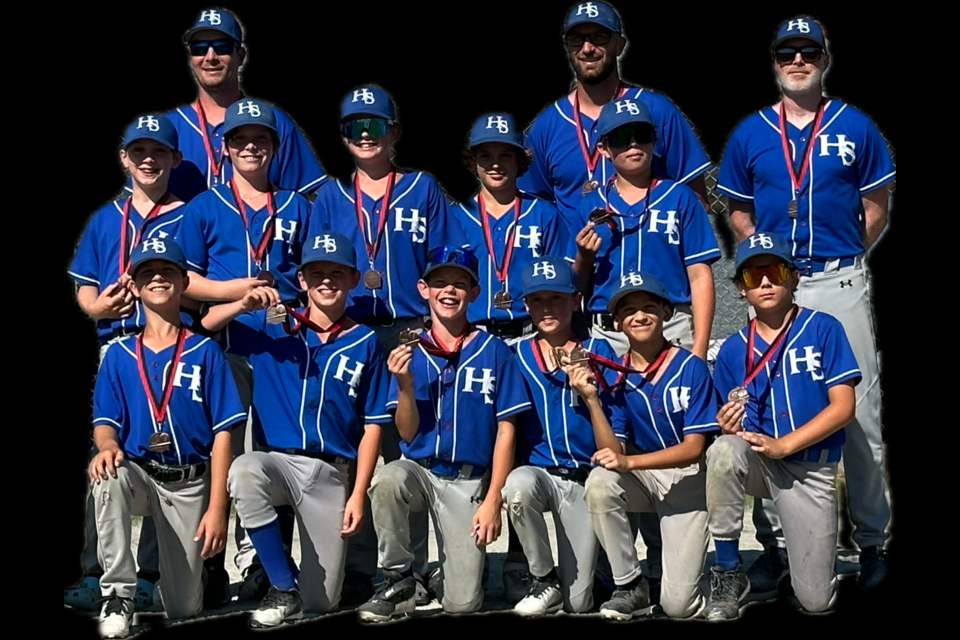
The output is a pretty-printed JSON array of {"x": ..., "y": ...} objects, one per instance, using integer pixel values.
[
  {"x": 364, "y": 95},
  {"x": 633, "y": 279},
  {"x": 762, "y": 239},
  {"x": 589, "y": 8},
  {"x": 211, "y": 16},
  {"x": 149, "y": 122},
  {"x": 328, "y": 243},
  {"x": 476, "y": 500},
  {"x": 802, "y": 25},
  {"x": 499, "y": 123},
  {"x": 846, "y": 283},
  {"x": 250, "y": 107},
  {"x": 544, "y": 269},
  {"x": 154, "y": 244},
  {"x": 629, "y": 105}
]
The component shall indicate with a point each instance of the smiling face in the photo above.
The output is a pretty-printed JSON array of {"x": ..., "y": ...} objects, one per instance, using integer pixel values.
[
  {"x": 497, "y": 165},
  {"x": 448, "y": 291},
  {"x": 216, "y": 72},
  {"x": 327, "y": 285},
  {"x": 149, "y": 162},
  {"x": 159, "y": 283},
  {"x": 593, "y": 63},
  {"x": 368, "y": 149},
  {"x": 551, "y": 311},
  {"x": 798, "y": 76},
  {"x": 641, "y": 315},
  {"x": 250, "y": 147}
]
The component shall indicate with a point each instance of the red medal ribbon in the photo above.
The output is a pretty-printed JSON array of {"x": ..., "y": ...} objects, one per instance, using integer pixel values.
[
  {"x": 589, "y": 157},
  {"x": 213, "y": 163},
  {"x": 303, "y": 320},
  {"x": 796, "y": 179},
  {"x": 373, "y": 248},
  {"x": 751, "y": 371},
  {"x": 625, "y": 369},
  {"x": 258, "y": 252},
  {"x": 159, "y": 409},
  {"x": 499, "y": 270},
  {"x": 126, "y": 250},
  {"x": 435, "y": 347}
]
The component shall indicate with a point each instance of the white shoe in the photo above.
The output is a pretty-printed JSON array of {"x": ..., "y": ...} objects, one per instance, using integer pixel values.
[
  {"x": 544, "y": 597},
  {"x": 115, "y": 617},
  {"x": 276, "y": 608}
]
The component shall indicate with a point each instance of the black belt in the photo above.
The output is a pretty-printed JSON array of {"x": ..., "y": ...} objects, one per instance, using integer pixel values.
[
  {"x": 507, "y": 328},
  {"x": 316, "y": 455},
  {"x": 163, "y": 473},
  {"x": 452, "y": 469},
  {"x": 576, "y": 474}
]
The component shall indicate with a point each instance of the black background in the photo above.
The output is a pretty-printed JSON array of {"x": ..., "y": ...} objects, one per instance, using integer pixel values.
[{"x": 444, "y": 68}]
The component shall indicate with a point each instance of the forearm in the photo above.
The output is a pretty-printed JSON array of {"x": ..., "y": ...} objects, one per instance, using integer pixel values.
[
  {"x": 407, "y": 416},
  {"x": 87, "y": 296},
  {"x": 703, "y": 303},
  {"x": 503, "y": 451},
  {"x": 105, "y": 437},
  {"x": 220, "y": 458},
  {"x": 219, "y": 316},
  {"x": 840, "y": 411},
  {"x": 367, "y": 454},
  {"x": 583, "y": 267},
  {"x": 684, "y": 454},
  {"x": 699, "y": 187},
  {"x": 206, "y": 290},
  {"x": 602, "y": 431},
  {"x": 741, "y": 219},
  {"x": 875, "y": 205}
]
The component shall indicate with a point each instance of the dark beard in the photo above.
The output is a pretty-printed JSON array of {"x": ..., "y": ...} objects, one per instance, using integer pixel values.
[{"x": 608, "y": 68}]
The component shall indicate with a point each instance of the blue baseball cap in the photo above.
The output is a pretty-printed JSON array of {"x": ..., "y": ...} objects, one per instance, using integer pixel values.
[
  {"x": 152, "y": 126},
  {"x": 329, "y": 246},
  {"x": 548, "y": 273},
  {"x": 216, "y": 20},
  {"x": 642, "y": 281},
  {"x": 763, "y": 244},
  {"x": 595, "y": 12},
  {"x": 452, "y": 256},
  {"x": 495, "y": 127},
  {"x": 619, "y": 112},
  {"x": 370, "y": 100},
  {"x": 249, "y": 111},
  {"x": 801, "y": 27},
  {"x": 157, "y": 249}
]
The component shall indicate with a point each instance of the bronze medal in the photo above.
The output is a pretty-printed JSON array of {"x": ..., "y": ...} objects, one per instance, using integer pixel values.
[
  {"x": 588, "y": 186},
  {"x": 372, "y": 279},
  {"x": 276, "y": 314},
  {"x": 409, "y": 337},
  {"x": 579, "y": 355},
  {"x": 159, "y": 442},
  {"x": 502, "y": 299},
  {"x": 792, "y": 209},
  {"x": 738, "y": 395},
  {"x": 559, "y": 355},
  {"x": 268, "y": 278},
  {"x": 598, "y": 216}
]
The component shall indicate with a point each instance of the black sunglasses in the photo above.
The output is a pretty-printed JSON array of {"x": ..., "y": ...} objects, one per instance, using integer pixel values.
[
  {"x": 220, "y": 47},
  {"x": 622, "y": 135},
  {"x": 599, "y": 39},
  {"x": 786, "y": 55}
]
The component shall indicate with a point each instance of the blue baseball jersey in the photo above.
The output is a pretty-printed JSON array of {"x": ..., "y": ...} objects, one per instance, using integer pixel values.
[
  {"x": 559, "y": 169},
  {"x": 462, "y": 400},
  {"x": 307, "y": 394},
  {"x": 218, "y": 247},
  {"x": 97, "y": 260},
  {"x": 418, "y": 220},
  {"x": 559, "y": 433},
  {"x": 847, "y": 158},
  {"x": 540, "y": 232},
  {"x": 668, "y": 235},
  {"x": 293, "y": 167},
  {"x": 785, "y": 395},
  {"x": 657, "y": 415},
  {"x": 203, "y": 402}
]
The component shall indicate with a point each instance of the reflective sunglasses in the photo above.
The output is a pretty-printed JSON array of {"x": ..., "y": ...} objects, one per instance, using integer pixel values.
[
  {"x": 752, "y": 277},
  {"x": 375, "y": 127},
  {"x": 786, "y": 55},
  {"x": 597, "y": 39},
  {"x": 220, "y": 47},
  {"x": 621, "y": 136}
]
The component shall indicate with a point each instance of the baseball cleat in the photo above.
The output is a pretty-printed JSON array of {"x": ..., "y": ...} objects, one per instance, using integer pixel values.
[
  {"x": 394, "y": 597},
  {"x": 627, "y": 603},
  {"x": 544, "y": 597},
  {"x": 277, "y": 607},
  {"x": 115, "y": 617},
  {"x": 727, "y": 589}
]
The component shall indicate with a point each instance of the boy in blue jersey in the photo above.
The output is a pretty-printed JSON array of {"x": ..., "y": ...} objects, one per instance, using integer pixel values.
[
  {"x": 650, "y": 454},
  {"x": 556, "y": 445},
  {"x": 319, "y": 398},
  {"x": 164, "y": 404},
  {"x": 455, "y": 397},
  {"x": 788, "y": 378},
  {"x": 149, "y": 153}
]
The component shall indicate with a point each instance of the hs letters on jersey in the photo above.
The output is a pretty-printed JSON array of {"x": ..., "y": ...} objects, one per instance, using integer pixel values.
[{"x": 486, "y": 382}]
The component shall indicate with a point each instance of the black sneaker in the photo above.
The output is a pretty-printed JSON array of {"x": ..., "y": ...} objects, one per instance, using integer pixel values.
[
  {"x": 435, "y": 585},
  {"x": 768, "y": 570},
  {"x": 276, "y": 608},
  {"x": 874, "y": 568},
  {"x": 627, "y": 602},
  {"x": 394, "y": 597},
  {"x": 727, "y": 589}
]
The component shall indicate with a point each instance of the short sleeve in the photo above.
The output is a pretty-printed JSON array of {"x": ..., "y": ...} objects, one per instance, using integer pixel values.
[
  {"x": 724, "y": 378},
  {"x": 535, "y": 180},
  {"x": 222, "y": 397},
  {"x": 678, "y": 145},
  {"x": 700, "y": 415},
  {"x": 374, "y": 388},
  {"x": 108, "y": 406},
  {"x": 838, "y": 362},
  {"x": 874, "y": 165},
  {"x": 442, "y": 227},
  {"x": 699, "y": 241},
  {"x": 512, "y": 396},
  {"x": 85, "y": 267},
  {"x": 556, "y": 241},
  {"x": 734, "y": 177},
  {"x": 245, "y": 335},
  {"x": 192, "y": 239},
  {"x": 298, "y": 168}
]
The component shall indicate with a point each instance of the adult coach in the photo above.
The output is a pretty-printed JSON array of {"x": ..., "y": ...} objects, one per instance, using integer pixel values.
[
  {"x": 816, "y": 171},
  {"x": 563, "y": 137},
  {"x": 215, "y": 46}
]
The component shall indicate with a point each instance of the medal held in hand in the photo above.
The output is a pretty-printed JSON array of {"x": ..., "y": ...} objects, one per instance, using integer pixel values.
[
  {"x": 599, "y": 216},
  {"x": 738, "y": 395},
  {"x": 276, "y": 314},
  {"x": 159, "y": 442},
  {"x": 409, "y": 337}
]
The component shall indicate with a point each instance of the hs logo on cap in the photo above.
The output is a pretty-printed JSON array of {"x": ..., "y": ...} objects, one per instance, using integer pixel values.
[
  {"x": 212, "y": 16},
  {"x": 802, "y": 25},
  {"x": 329, "y": 244},
  {"x": 250, "y": 107},
  {"x": 364, "y": 95},
  {"x": 154, "y": 244},
  {"x": 544, "y": 269},
  {"x": 499, "y": 123},
  {"x": 150, "y": 122},
  {"x": 629, "y": 105},
  {"x": 589, "y": 8},
  {"x": 762, "y": 239},
  {"x": 631, "y": 278}
]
